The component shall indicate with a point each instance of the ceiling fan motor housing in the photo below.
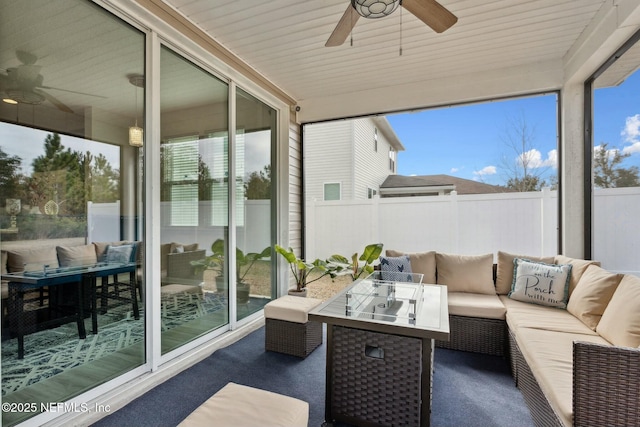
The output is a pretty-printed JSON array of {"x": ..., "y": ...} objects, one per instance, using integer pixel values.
[{"x": 375, "y": 8}]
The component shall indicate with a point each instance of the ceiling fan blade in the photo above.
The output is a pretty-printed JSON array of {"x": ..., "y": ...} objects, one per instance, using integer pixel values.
[
  {"x": 431, "y": 13},
  {"x": 344, "y": 27},
  {"x": 55, "y": 101},
  {"x": 72, "y": 91}
]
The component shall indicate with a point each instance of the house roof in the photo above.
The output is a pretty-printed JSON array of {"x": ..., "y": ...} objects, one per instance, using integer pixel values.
[
  {"x": 430, "y": 183},
  {"x": 385, "y": 127}
]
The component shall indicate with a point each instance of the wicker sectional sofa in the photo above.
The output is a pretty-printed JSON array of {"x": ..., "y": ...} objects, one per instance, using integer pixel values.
[{"x": 577, "y": 365}]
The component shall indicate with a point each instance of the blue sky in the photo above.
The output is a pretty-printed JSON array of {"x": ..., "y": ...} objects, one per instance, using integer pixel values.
[{"x": 476, "y": 141}]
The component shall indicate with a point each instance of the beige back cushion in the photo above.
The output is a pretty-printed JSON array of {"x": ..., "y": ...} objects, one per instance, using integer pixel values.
[
  {"x": 70, "y": 256},
  {"x": 466, "y": 273},
  {"x": 422, "y": 262},
  {"x": 620, "y": 322},
  {"x": 579, "y": 266},
  {"x": 168, "y": 248},
  {"x": 592, "y": 294},
  {"x": 31, "y": 259},
  {"x": 4, "y": 262},
  {"x": 504, "y": 270}
]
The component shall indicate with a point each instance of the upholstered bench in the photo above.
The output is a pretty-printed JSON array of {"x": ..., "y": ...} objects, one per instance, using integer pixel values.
[
  {"x": 287, "y": 326},
  {"x": 241, "y": 406}
]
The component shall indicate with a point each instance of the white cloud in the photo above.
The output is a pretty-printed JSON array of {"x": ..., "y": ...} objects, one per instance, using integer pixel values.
[
  {"x": 487, "y": 170},
  {"x": 454, "y": 170},
  {"x": 610, "y": 152},
  {"x": 631, "y": 134},
  {"x": 533, "y": 159},
  {"x": 632, "y": 149},
  {"x": 631, "y": 131}
]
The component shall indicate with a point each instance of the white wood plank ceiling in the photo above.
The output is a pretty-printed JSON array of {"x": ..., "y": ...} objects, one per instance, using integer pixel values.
[{"x": 284, "y": 40}]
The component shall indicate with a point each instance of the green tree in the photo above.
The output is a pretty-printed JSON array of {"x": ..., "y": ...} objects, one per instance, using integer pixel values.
[
  {"x": 105, "y": 180},
  {"x": 607, "y": 169},
  {"x": 58, "y": 176},
  {"x": 258, "y": 186},
  {"x": 9, "y": 176}
]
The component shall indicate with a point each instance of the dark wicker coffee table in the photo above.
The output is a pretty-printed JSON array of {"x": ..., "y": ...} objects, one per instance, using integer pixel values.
[{"x": 380, "y": 343}]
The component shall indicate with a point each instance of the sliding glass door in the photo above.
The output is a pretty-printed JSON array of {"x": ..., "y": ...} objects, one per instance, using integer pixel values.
[{"x": 194, "y": 212}]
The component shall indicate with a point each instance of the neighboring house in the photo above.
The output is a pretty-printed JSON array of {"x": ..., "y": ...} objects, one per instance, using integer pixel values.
[
  {"x": 349, "y": 159},
  {"x": 434, "y": 185}
]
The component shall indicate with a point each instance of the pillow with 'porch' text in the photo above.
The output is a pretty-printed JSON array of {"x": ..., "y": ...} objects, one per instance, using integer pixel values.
[{"x": 540, "y": 283}]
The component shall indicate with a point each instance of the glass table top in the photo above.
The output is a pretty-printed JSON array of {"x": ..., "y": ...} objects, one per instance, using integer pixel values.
[{"x": 388, "y": 299}]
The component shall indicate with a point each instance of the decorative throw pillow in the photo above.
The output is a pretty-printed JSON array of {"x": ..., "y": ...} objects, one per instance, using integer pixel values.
[
  {"x": 540, "y": 283},
  {"x": 504, "y": 270},
  {"x": 119, "y": 254},
  {"x": 421, "y": 262},
  {"x": 466, "y": 273},
  {"x": 396, "y": 268},
  {"x": 594, "y": 291},
  {"x": 70, "y": 256},
  {"x": 178, "y": 249},
  {"x": 620, "y": 322},
  {"x": 578, "y": 266}
]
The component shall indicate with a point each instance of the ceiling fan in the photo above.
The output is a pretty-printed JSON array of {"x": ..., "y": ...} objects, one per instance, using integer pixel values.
[
  {"x": 24, "y": 84},
  {"x": 430, "y": 12}
]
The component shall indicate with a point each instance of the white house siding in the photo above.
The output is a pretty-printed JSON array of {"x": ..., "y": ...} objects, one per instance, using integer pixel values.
[
  {"x": 371, "y": 167},
  {"x": 295, "y": 187},
  {"x": 328, "y": 154}
]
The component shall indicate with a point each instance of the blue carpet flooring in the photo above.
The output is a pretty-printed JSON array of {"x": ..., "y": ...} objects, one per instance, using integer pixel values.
[{"x": 468, "y": 390}]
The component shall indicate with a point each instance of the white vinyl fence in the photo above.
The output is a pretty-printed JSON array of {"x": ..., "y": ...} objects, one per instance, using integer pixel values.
[{"x": 521, "y": 223}]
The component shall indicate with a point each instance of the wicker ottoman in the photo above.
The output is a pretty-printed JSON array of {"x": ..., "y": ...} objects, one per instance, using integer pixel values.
[
  {"x": 241, "y": 406},
  {"x": 287, "y": 326}
]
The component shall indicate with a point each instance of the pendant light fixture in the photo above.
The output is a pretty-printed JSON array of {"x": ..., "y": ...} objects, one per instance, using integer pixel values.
[{"x": 136, "y": 136}]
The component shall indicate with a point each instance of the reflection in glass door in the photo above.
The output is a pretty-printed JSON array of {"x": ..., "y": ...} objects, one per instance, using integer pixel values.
[
  {"x": 254, "y": 203},
  {"x": 194, "y": 201}
]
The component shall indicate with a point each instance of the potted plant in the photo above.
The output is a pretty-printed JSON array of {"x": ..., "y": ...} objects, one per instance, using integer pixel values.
[
  {"x": 358, "y": 266},
  {"x": 302, "y": 270},
  {"x": 244, "y": 262}
]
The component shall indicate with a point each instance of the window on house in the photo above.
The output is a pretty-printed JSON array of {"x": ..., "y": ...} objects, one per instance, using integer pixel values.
[
  {"x": 332, "y": 191},
  {"x": 375, "y": 139},
  {"x": 180, "y": 176},
  {"x": 392, "y": 160},
  {"x": 371, "y": 193}
]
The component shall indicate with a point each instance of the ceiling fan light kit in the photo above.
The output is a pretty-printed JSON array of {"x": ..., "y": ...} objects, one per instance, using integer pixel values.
[
  {"x": 432, "y": 13},
  {"x": 375, "y": 8}
]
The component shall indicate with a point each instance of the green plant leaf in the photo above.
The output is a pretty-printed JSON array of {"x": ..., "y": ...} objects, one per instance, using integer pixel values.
[{"x": 371, "y": 253}]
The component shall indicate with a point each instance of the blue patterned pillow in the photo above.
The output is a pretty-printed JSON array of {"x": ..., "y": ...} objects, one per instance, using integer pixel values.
[
  {"x": 396, "y": 268},
  {"x": 119, "y": 254}
]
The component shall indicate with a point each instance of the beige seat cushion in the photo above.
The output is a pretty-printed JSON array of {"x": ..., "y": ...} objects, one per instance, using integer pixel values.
[
  {"x": 290, "y": 308},
  {"x": 578, "y": 267},
  {"x": 504, "y": 270},
  {"x": 476, "y": 305},
  {"x": 31, "y": 259},
  {"x": 421, "y": 262},
  {"x": 178, "y": 288},
  {"x": 620, "y": 322},
  {"x": 241, "y": 406},
  {"x": 70, "y": 256},
  {"x": 466, "y": 273},
  {"x": 524, "y": 315},
  {"x": 550, "y": 356},
  {"x": 592, "y": 294}
]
